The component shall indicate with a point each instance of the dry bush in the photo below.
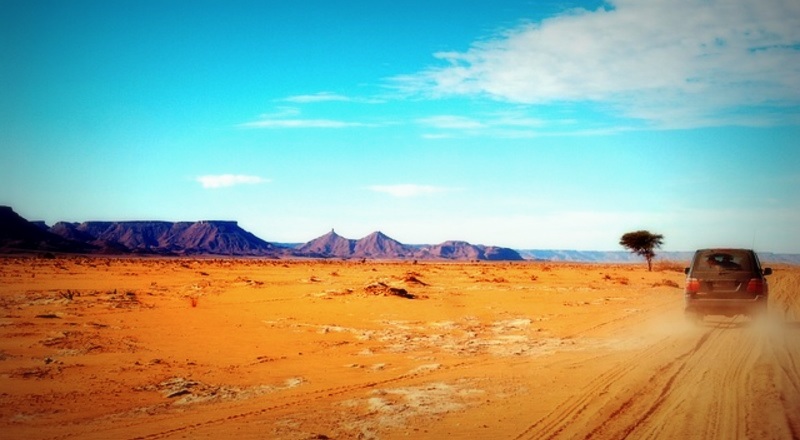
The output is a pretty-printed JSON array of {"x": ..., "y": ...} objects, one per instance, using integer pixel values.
[
  {"x": 669, "y": 266},
  {"x": 69, "y": 295},
  {"x": 667, "y": 283},
  {"x": 617, "y": 279}
]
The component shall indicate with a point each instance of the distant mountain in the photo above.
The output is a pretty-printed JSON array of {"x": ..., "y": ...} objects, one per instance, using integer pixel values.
[
  {"x": 40, "y": 224},
  {"x": 70, "y": 231},
  {"x": 773, "y": 258},
  {"x": 375, "y": 245},
  {"x": 160, "y": 237},
  {"x": 228, "y": 238},
  {"x": 628, "y": 257},
  {"x": 461, "y": 250},
  {"x": 451, "y": 250},
  {"x": 18, "y": 234},
  {"x": 329, "y": 245},
  {"x": 378, "y": 245},
  {"x": 599, "y": 256},
  {"x": 585, "y": 256},
  {"x": 494, "y": 253}
]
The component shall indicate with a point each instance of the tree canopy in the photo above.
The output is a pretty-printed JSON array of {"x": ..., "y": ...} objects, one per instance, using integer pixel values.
[{"x": 643, "y": 243}]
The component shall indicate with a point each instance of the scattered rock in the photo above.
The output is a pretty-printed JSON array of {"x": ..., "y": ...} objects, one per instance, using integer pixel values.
[
  {"x": 48, "y": 316},
  {"x": 381, "y": 288},
  {"x": 411, "y": 278}
]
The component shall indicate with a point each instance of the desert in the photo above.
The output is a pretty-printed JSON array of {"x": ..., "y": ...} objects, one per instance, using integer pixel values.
[
  {"x": 384, "y": 220},
  {"x": 163, "y": 348}
]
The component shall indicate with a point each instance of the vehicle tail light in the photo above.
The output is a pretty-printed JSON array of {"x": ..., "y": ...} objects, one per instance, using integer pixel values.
[
  {"x": 756, "y": 286},
  {"x": 692, "y": 285}
]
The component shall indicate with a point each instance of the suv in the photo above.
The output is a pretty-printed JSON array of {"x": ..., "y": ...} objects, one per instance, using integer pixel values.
[{"x": 725, "y": 282}]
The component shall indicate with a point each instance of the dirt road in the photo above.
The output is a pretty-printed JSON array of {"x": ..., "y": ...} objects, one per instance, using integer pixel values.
[
  {"x": 727, "y": 379},
  {"x": 247, "y": 349}
]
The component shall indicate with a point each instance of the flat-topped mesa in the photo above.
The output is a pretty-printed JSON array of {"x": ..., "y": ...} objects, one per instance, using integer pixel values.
[
  {"x": 221, "y": 237},
  {"x": 230, "y": 223}
]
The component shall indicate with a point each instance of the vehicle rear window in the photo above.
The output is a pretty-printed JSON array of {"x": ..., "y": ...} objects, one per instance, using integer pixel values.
[{"x": 723, "y": 260}]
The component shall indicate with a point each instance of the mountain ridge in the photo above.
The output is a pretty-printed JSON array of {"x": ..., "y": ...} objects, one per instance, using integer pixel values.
[
  {"x": 216, "y": 237},
  {"x": 17, "y": 233},
  {"x": 226, "y": 237},
  {"x": 219, "y": 237}
]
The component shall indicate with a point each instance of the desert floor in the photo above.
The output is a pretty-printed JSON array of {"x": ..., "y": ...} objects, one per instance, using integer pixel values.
[{"x": 272, "y": 349}]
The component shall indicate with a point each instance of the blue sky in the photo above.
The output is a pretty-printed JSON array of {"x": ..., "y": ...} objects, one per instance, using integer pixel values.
[{"x": 527, "y": 124}]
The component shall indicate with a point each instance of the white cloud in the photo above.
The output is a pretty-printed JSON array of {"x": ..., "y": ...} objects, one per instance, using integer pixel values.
[
  {"x": 452, "y": 122},
  {"x": 331, "y": 97},
  {"x": 317, "y": 97},
  {"x": 288, "y": 117},
  {"x": 225, "y": 180},
  {"x": 669, "y": 62},
  {"x": 499, "y": 125},
  {"x": 301, "y": 123},
  {"x": 407, "y": 189},
  {"x": 438, "y": 136}
]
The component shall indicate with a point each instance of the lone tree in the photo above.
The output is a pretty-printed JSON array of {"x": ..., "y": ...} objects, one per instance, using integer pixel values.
[{"x": 642, "y": 243}]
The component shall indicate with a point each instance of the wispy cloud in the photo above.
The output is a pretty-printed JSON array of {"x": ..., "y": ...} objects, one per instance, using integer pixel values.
[
  {"x": 504, "y": 125},
  {"x": 224, "y": 180},
  {"x": 290, "y": 117},
  {"x": 317, "y": 97},
  {"x": 301, "y": 123},
  {"x": 408, "y": 189},
  {"x": 690, "y": 63},
  {"x": 452, "y": 122},
  {"x": 438, "y": 135},
  {"x": 330, "y": 97}
]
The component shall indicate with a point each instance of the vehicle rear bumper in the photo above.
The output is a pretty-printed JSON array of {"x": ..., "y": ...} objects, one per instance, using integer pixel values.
[{"x": 730, "y": 307}]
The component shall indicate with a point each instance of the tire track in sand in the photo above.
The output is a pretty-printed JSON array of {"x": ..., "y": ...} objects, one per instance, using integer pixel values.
[{"x": 600, "y": 396}]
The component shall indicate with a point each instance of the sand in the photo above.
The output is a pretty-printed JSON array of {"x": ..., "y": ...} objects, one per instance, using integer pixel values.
[{"x": 273, "y": 349}]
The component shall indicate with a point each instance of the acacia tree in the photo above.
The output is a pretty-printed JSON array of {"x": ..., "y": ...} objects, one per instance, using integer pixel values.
[{"x": 643, "y": 243}]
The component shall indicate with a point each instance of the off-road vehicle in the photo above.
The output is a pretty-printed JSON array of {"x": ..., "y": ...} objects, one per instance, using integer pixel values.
[{"x": 726, "y": 282}]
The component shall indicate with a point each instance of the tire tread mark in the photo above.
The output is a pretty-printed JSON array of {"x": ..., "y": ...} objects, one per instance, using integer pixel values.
[
  {"x": 553, "y": 424},
  {"x": 680, "y": 361}
]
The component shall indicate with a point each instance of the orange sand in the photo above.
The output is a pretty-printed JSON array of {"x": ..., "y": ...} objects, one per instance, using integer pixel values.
[{"x": 265, "y": 349}]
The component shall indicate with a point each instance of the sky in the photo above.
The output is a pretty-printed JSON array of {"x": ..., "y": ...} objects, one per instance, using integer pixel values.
[{"x": 527, "y": 124}]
